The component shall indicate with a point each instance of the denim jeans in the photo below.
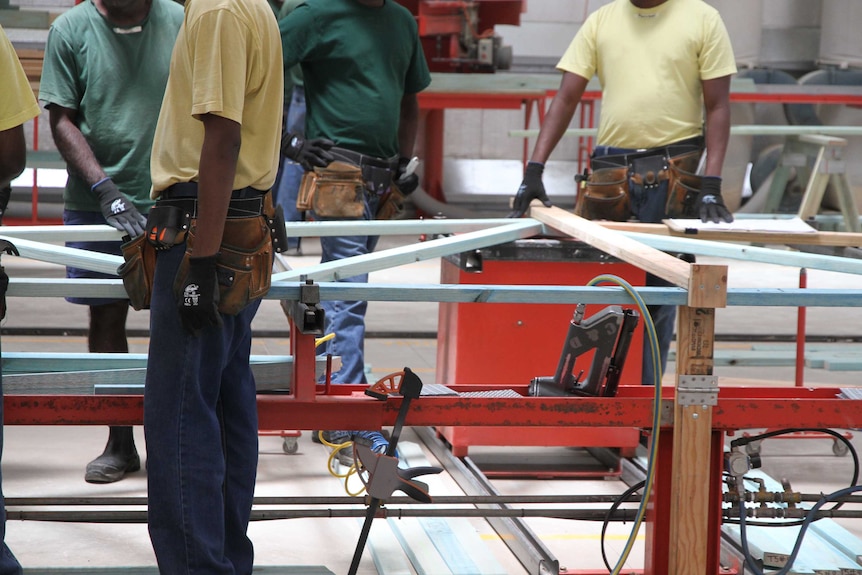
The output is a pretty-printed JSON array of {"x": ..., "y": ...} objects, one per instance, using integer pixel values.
[
  {"x": 286, "y": 187},
  {"x": 648, "y": 206},
  {"x": 346, "y": 319},
  {"x": 200, "y": 424},
  {"x": 8, "y": 563}
]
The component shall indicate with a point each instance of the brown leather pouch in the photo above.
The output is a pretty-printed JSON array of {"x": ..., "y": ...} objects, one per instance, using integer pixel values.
[
  {"x": 243, "y": 266},
  {"x": 683, "y": 186},
  {"x": 604, "y": 196},
  {"x": 391, "y": 204},
  {"x": 137, "y": 271},
  {"x": 336, "y": 191}
]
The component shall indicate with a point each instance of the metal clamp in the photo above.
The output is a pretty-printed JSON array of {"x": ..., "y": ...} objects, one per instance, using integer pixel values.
[{"x": 697, "y": 390}]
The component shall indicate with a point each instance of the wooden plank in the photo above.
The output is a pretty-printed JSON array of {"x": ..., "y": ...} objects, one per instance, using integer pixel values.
[
  {"x": 837, "y": 239},
  {"x": 689, "y": 513},
  {"x": 613, "y": 243}
]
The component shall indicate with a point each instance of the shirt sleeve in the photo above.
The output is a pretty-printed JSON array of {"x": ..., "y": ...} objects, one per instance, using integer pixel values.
[
  {"x": 59, "y": 83},
  {"x": 581, "y": 57},
  {"x": 418, "y": 76},
  {"x": 298, "y": 35},
  {"x": 219, "y": 43},
  {"x": 17, "y": 103},
  {"x": 716, "y": 58}
]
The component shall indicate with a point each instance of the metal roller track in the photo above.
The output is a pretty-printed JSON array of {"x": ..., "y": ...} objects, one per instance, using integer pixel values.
[{"x": 517, "y": 536}]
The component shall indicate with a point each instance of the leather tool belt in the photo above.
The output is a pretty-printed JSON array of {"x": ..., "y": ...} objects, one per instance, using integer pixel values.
[
  {"x": 252, "y": 231},
  {"x": 604, "y": 193},
  {"x": 339, "y": 189}
]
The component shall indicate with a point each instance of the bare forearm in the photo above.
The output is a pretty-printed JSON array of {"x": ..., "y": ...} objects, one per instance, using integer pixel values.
[
  {"x": 12, "y": 154},
  {"x": 76, "y": 151},
  {"x": 217, "y": 171},
  {"x": 716, "y": 98},
  {"x": 408, "y": 125},
  {"x": 559, "y": 116}
]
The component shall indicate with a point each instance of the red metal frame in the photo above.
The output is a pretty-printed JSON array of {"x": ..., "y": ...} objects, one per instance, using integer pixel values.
[{"x": 309, "y": 407}]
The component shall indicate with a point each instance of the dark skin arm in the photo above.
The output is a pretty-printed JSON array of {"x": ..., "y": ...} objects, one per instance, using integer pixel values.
[
  {"x": 716, "y": 99},
  {"x": 72, "y": 145},
  {"x": 408, "y": 124},
  {"x": 13, "y": 154},
  {"x": 219, "y": 155},
  {"x": 559, "y": 115}
]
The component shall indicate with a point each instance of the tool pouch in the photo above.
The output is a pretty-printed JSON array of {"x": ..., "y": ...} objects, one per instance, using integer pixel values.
[
  {"x": 166, "y": 226},
  {"x": 391, "y": 204},
  {"x": 336, "y": 191},
  {"x": 243, "y": 265},
  {"x": 604, "y": 195},
  {"x": 137, "y": 271},
  {"x": 683, "y": 186},
  {"x": 649, "y": 171}
]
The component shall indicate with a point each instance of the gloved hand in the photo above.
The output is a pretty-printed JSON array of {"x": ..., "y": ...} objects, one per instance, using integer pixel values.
[
  {"x": 531, "y": 189},
  {"x": 118, "y": 210},
  {"x": 709, "y": 201},
  {"x": 198, "y": 298},
  {"x": 307, "y": 153},
  {"x": 406, "y": 182}
]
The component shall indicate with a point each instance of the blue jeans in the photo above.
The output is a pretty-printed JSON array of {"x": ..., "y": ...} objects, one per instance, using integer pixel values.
[
  {"x": 648, "y": 206},
  {"x": 286, "y": 187},
  {"x": 8, "y": 563},
  {"x": 346, "y": 319},
  {"x": 200, "y": 423}
]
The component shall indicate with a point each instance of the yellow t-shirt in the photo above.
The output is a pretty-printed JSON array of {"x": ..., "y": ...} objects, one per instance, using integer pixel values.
[
  {"x": 226, "y": 61},
  {"x": 650, "y": 63},
  {"x": 17, "y": 101}
]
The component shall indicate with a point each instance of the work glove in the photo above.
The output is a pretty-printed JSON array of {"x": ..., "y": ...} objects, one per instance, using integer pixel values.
[
  {"x": 307, "y": 153},
  {"x": 405, "y": 177},
  {"x": 709, "y": 201},
  {"x": 531, "y": 189},
  {"x": 118, "y": 210},
  {"x": 198, "y": 298}
]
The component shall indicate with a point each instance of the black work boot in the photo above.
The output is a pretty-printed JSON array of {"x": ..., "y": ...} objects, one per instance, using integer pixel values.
[{"x": 120, "y": 457}]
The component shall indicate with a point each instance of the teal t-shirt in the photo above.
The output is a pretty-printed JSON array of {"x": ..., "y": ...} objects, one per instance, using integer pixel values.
[
  {"x": 292, "y": 75},
  {"x": 115, "y": 80},
  {"x": 357, "y": 63}
]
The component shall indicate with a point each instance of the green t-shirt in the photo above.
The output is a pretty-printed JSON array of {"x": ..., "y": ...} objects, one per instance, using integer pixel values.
[
  {"x": 292, "y": 75},
  {"x": 114, "y": 79},
  {"x": 357, "y": 62}
]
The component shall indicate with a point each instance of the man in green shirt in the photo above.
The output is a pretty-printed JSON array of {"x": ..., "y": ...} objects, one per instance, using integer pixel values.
[{"x": 106, "y": 66}]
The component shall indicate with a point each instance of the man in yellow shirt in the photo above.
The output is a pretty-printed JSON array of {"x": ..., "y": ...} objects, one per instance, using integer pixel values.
[
  {"x": 214, "y": 160},
  {"x": 17, "y": 106},
  {"x": 660, "y": 64}
]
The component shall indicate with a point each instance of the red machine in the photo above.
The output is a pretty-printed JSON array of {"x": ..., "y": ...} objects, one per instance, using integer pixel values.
[{"x": 458, "y": 35}]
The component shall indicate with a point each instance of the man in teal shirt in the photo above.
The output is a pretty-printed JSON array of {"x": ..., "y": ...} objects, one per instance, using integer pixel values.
[{"x": 106, "y": 66}]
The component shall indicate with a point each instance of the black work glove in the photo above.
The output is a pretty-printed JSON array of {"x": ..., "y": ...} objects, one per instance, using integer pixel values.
[
  {"x": 407, "y": 183},
  {"x": 198, "y": 298},
  {"x": 4, "y": 286},
  {"x": 307, "y": 153},
  {"x": 118, "y": 210},
  {"x": 709, "y": 201},
  {"x": 531, "y": 189}
]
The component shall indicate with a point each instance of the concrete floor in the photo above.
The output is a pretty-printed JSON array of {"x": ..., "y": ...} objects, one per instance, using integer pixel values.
[{"x": 49, "y": 461}]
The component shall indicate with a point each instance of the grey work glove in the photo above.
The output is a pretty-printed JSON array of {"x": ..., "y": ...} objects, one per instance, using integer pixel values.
[
  {"x": 531, "y": 189},
  {"x": 307, "y": 153},
  {"x": 118, "y": 210},
  {"x": 406, "y": 182},
  {"x": 709, "y": 201},
  {"x": 198, "y": 299}
]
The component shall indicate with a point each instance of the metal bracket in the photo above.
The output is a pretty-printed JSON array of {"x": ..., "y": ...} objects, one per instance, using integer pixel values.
[{"x": 697, "y": 390}]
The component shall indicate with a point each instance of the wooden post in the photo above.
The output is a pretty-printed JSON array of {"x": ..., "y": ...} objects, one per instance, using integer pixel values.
[{"x": 696, "y": 393}]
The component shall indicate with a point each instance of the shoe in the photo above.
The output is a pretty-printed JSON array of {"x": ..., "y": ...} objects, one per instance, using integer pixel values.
[
  {"x": 344, "y": 455},
  {"x": 111, "y": 467}
]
